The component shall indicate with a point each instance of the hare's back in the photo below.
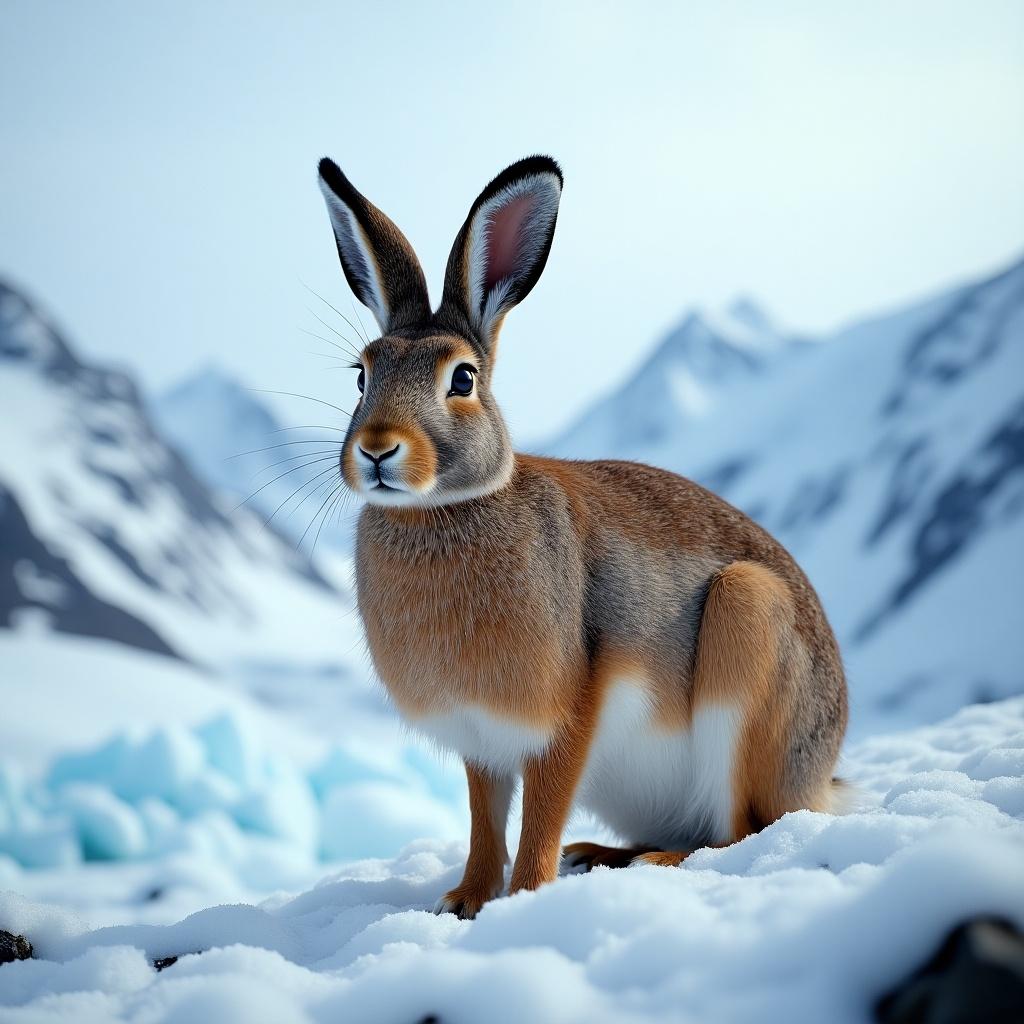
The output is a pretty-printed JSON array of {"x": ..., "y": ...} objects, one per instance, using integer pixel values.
[{"x": 652, "y": 543}]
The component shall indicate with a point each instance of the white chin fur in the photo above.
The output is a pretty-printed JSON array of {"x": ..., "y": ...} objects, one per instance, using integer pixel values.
[
  {"x": 432, "y": 497},
  {"x": 393, "y": 497}
]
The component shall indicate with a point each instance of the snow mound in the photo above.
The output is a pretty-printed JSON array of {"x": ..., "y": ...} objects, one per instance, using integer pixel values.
[
  {"x": 216, "y": 790},
  {"x": 811, "y": 919}
]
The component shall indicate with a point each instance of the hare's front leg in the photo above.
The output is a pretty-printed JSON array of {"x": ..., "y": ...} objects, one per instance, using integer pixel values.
[
  {"x": 489, "y": 799},
  {"x": 549, "y": 786}
]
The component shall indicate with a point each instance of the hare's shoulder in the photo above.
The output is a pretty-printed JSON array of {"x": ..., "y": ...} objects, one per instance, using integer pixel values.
[{"x": 651, "y": 503}]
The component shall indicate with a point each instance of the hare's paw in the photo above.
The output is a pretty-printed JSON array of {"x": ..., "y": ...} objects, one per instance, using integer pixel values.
[
  {"x": 578, "y": 858},
  {"x": 662, "y": 858},
  {"x": 465, "y": 901}
]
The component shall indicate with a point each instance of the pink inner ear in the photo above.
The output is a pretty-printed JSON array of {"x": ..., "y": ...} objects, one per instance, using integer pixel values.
[{"x": 503, "y": 239}]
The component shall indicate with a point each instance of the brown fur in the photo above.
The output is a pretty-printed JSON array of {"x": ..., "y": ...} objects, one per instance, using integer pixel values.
[
  {"x": 421, "y": 465},
  {"x": 488, "y": 855},
  {"x": 593, "y": 855}
]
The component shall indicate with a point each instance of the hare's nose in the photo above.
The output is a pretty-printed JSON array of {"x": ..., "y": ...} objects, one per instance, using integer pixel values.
[{"x": 378, "y": 457}]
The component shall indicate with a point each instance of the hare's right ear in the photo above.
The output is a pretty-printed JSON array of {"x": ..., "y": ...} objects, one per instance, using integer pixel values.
[
  {"x": 501, "y": 250},
  {"x": 378, "y": 260}
]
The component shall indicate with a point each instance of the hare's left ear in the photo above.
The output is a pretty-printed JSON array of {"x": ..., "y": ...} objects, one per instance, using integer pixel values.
[
  {"x": 379, "y": 263},
  {"x": 501, "y": 250}
]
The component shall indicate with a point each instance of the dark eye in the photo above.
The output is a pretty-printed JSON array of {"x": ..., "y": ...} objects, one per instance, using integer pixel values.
[
  {"x": 361, "y": 380},
  {"x": 462, "y": 380}
]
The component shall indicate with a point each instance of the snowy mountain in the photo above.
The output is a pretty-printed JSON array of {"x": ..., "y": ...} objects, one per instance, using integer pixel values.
[
  {"x": 889, "y": 458},
  {"x": 239, "y": 446},
  {"x": 685, "y": 380},
  {"x": 108, "y": 532}
]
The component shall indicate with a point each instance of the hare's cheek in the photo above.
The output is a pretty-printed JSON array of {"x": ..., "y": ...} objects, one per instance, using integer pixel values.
[
  {"x": 349, "y": 470},
  {"x": 419, "y": 467}
]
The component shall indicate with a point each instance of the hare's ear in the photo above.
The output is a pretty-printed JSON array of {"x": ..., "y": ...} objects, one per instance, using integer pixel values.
[
  {"x": 377, "y": 258},
  {"x": 501, "y": 250}
]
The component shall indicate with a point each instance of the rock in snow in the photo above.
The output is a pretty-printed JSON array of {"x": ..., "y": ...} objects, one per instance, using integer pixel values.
[
  {"x": 976, "y": 975},
  {"x": 14, "y": 947}
]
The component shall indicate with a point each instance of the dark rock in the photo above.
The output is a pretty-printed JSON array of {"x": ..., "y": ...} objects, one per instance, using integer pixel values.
[
  {"x": 13, "y": 947},
  {"x": 163, "y": 962},
  {"x": 976, "y": 977}
]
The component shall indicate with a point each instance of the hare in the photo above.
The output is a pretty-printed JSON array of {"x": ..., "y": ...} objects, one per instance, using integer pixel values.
[{"x": 614, "y": 635}]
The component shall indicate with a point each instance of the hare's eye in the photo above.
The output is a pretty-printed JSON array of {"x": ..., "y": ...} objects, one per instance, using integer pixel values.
[
  {"x": 462, "y": 380},
  {"x": 361, "y": 380}
]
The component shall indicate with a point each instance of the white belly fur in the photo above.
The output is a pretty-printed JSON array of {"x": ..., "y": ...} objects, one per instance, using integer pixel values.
[
  {"x": 486, "y": 739},
  {"x": 668, "y": 790}
]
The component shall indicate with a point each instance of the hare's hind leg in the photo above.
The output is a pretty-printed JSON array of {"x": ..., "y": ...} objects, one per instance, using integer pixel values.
[
  {"x": 593, "y": 855},
  {"x": 750, "y": 657}
]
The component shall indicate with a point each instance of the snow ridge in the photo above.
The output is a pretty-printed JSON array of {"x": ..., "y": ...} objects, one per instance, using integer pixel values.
[{"x": 811, "y": 919}]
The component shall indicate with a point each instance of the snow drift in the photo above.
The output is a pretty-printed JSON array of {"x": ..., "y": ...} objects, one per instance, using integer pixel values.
[{"x": 811, "y": 919}]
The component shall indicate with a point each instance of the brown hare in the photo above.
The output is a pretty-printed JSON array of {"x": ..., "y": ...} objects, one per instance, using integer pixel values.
[{"x": 614, "y": 635}]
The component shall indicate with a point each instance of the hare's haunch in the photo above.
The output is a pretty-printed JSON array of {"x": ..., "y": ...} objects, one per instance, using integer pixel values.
[{"x": 614, "y": 635}]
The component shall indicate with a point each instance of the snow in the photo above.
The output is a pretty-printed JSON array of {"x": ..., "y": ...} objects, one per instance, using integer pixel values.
[
  {"x": 811, "y": 919},
  {"x": 98, "y": 687}
]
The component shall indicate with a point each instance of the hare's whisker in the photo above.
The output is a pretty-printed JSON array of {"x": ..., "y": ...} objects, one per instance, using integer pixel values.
[
  {"x": 317, "y": 476},
  {"x": 271, "y": 447},
  {"x": 308, "y": 398}
]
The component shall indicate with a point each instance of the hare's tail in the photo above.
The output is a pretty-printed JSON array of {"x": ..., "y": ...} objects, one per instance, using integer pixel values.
[{"x": 843, "y": 797}]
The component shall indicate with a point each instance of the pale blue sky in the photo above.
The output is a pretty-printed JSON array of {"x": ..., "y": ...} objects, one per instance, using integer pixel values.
[{"x": 158, "y": 167}]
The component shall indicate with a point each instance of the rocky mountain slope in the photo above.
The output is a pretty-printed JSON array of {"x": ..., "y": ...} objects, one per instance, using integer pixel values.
[
  {"x": 107, "y": 531},
  {"x": 239, "y": 446}
]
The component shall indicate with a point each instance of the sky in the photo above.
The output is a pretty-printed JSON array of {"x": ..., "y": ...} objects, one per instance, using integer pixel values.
[{"x": 831, "y": 160}]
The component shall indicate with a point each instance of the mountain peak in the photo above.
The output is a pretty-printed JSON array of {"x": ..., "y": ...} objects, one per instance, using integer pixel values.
[
  {"x": 26, "y": 334},
  {"x": 211, "y": 381},
  {"x": 746, "y": 310}
]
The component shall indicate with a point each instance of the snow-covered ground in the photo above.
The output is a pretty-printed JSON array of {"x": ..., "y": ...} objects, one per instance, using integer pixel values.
[{"x": 812, "y": 919}]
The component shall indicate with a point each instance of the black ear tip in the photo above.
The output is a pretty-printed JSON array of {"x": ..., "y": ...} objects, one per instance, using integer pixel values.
[
  {"x": 547, "y": 163},
  {"x": 528, "y": 167},
  {"x": 539, "y": 163},
  {"x": 328, "y": 169},
  {"x": 333, "y": 177}
]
